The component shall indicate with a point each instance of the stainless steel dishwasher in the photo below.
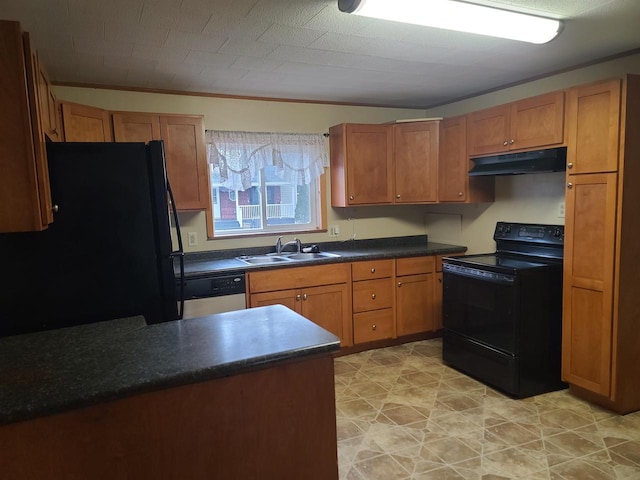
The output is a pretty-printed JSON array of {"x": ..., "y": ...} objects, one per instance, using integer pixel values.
[{"x": 216, "y": 293}]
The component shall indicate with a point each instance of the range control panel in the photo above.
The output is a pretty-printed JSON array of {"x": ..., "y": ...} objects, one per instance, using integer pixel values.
[{"x": 529, "y": 233}]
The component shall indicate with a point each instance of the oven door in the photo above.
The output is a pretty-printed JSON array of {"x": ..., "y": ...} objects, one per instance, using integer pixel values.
[{"x": 481, "y": 305}]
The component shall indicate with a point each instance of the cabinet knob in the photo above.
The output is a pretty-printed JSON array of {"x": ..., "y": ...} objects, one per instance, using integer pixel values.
[
  {"x": 350, "y": 197},
  {"x": 398, "y": 196},
  {"x": 298, "y": 297},
  {"x": 305, "y": 296},
  {"x": 569, "y": 185},
  {"x": 505, "y": 143},
  {"x": 570, "y": 165},
  {"x": 512, "y": 141},
  {"x": 373, "y": 296},
  {"x": 374, "y": 327},
  {"x": 55, "y": 208},
  {"x": 399, "y": 284},
  {"x": 373, "y": 270},
  {"x": 439, "y": 280},
  {"x": 460, "y": 194}
]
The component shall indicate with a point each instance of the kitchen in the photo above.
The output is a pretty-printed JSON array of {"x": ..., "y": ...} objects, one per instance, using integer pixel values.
[{"x": 534, "y": 198}]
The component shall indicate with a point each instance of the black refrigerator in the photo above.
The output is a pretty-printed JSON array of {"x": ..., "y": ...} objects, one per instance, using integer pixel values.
[{"x": 108, "y": 253}]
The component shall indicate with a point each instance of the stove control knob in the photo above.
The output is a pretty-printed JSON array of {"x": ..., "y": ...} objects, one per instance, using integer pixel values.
[
  {"x": 507, "y": 229},
  {"x": 557, "y": 233}
]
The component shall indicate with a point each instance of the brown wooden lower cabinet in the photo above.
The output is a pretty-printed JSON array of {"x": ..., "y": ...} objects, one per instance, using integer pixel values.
[
  {"x": 360, "y": 302},
  {"x": 373, "y": 325},
  {"x": 319, "y": 293},
  {"x": 277, "y": 422},
  {"x": 414, "y": 294}
]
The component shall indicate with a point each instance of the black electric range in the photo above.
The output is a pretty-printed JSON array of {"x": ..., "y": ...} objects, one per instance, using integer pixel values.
[{"x": 502, "y": 311}]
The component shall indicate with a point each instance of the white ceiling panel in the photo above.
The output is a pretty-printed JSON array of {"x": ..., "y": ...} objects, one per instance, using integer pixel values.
[{"x": 308, "y": 49}]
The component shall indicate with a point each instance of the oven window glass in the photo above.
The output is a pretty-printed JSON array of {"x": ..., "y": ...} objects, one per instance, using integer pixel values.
[{"x": 481, "y": 309}]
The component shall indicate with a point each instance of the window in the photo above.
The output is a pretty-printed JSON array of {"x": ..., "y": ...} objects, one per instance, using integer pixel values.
[{"x": 265, "y": 182}]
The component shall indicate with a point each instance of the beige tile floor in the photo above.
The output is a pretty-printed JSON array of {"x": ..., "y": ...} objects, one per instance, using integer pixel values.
[{"x": 402, "y": 414}]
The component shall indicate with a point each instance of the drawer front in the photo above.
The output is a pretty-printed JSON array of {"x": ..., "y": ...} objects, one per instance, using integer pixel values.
[
  {"x": 415, "y": 265},
  {"x": 371, "y": 269},
  {"x": 376, "y": 325},
  {"x": 298, "y": 277},
  {"x": 372, "y": 294}
]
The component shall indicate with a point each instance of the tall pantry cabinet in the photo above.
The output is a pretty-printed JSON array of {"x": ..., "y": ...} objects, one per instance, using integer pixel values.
[{"x": 601, "y": 318}]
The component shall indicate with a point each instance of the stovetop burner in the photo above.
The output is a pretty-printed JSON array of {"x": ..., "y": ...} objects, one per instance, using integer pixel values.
[{"x": 519, "y": 247}]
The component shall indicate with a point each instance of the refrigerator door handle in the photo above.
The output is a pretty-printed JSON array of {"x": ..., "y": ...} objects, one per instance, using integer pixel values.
[{"x": 179, "y": 252}]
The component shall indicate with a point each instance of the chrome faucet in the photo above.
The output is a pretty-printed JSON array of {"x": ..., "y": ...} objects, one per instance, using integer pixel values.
[{"x": 280, "y": 247}]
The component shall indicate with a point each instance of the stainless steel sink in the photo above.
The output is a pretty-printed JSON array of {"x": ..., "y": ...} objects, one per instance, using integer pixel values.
[
  {"x": 263, "y": 259},
  {"x": 311, "y": 256},
  {"x": 270, "y": 258}
]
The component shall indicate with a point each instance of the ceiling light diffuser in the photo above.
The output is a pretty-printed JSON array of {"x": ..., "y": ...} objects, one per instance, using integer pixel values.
[{"x": 460, "y": 16}]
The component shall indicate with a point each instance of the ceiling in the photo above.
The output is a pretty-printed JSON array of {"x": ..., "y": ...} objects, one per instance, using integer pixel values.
[{"x": 307, "y": 49}]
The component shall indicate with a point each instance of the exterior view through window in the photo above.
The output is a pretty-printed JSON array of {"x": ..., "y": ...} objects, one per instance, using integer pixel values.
[
  {"x": 271, "y": 204},
  {"x": 265, "y": 183}
]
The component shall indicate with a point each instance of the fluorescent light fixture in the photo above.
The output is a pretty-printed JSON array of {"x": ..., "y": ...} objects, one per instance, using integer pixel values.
[{"x": 460, "y": 16}]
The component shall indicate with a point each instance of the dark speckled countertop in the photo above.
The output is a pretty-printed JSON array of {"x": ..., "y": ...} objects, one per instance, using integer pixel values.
[
  {"x": 59, "y": 370},
  {"x": 205, "y": 263}
]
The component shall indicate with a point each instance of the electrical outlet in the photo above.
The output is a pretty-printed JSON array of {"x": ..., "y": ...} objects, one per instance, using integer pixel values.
[
  {"x": 192, "y": 239},
  {"x": 561, "y": 210},
  {"x": 334, "y": 230}
]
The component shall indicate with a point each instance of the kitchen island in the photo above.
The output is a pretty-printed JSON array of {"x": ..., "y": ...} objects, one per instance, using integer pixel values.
[{"x": 239, "y": 395}]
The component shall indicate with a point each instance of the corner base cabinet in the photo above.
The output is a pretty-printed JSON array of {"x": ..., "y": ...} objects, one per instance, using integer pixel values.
[{"x": 601, "y": 338}]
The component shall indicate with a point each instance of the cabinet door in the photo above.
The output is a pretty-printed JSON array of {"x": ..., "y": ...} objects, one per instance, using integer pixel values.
[
  {"x": 39, "y": 124},
  {"x": 135, "y": 127},
  {"x": 47, "y": 102},
  {"x": 593, "y": 125},
  {"x": 288, "y": 298},
  {"x": 369, "y": 164},
  {"x": 83, "y": 123},
  {"x": 588, "y": 281},
  {"x": 437, "y": 302},
  {"x": 415, "y": 153},
  {"x": 537, "y": 121},
  {"x": 488, "y": 130},
  {"x": 328, "y": 306},
  {"x": 187, "y": 167},
  {"x": 414, "y": 304},
  {"x": 453, "y": 165}
]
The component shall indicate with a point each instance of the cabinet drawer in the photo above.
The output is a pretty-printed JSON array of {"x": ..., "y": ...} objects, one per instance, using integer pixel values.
[
  {"x": 372, "y": 294},
  {"x": 376, "y": 325},
  {"x": 371, "y": 269},
  {"x": 415, "y": 265},
  {"x": 299, "y": 277}
]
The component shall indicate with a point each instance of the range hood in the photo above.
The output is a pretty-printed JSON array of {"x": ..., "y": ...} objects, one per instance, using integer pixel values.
[{"x": 536, "y": 161}]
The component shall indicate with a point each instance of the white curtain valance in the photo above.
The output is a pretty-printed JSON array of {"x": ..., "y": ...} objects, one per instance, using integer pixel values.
[{"x": 299, "y": 158}]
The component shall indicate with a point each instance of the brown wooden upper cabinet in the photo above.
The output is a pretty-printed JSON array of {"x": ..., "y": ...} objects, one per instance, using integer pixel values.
[
  {"x": 25, "y": 198},
  {"x": 593, "y": 124},
  {"x": 361, "y": 164},
  {"x": 455, "y": 185},
  {"x": 47, "y": 103},
  {"x": 384, "y": 164},
  {"x": 83, "y": 123},
  {"x": 183, "y": 137},
  {"x": 526, "y": 124},
  {"x": 415, "y": 159}
]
